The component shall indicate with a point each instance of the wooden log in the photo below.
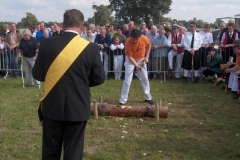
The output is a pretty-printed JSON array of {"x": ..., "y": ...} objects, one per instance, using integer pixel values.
[
  {"x": 128, "y": 111},
  {"x": 157, "y": 111},
  {"x": 95, "y": 109},
  {"x": 100, "y": 99}
]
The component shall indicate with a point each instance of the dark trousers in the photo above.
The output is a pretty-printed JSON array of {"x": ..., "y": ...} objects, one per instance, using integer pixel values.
[
  {"x": 208, "y": 72},
  {"x": 226, "y": 53},
  {"x": 66, "y": 133},
  {"x": 187, "y": 60},
  {"x": 203, "y": 56}
]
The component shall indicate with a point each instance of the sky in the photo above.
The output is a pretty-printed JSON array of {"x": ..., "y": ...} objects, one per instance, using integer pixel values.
[{"x": 45, "y": 10}]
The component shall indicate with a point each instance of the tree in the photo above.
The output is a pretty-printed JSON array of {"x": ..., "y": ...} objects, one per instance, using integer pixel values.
[
  {"x": 102, "y": 15},
  {"x": 90, "y": 20},
  {"x": 4, "y": 24},
  {"x": 218, "y": 22},
  {"x": 200, "y": 23},
  {"x": 140, "y": 10},
  {"x": 20, "y": 25},
  {"x": 118, "y": 22},
  {"x": 30, "y": 20},
  {"x": 183, "y": 23}
]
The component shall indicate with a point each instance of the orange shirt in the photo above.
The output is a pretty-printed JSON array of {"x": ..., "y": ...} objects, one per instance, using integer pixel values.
[
  {"x": 137, "y": 50},
  {"x": 238, "y": 60}
]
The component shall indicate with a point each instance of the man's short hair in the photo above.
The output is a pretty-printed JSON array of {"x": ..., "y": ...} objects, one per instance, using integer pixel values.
[
  {"x": 27, "y": 31},
  {"x": 223, "y": 24},
  {"x": 13, "y": 23},
  {"x": 73, "y": 18},
  {"x": 135, "y": 33},
  {"x": 46, "y": 30},
  {"x": 89, "y": 29},
  {"x": 231, "y": 24},
  {"x": 121, "y": 28},
  {"x": 183, "y": 28},
  {"x": 154, "y": 27},
  {"x": 194, "y": 24},
  {"x": 237, "y": 44},
  {"x": 206, "y": 25},
  {"x": 167, "y": 29},
  {"x": 161, "y": 30}
]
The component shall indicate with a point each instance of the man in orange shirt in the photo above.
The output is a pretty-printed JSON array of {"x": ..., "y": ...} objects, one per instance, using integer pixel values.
[{"x": 137, "y": 49}]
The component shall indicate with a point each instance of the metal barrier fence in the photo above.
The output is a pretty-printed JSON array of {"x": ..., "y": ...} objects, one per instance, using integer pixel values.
[
  {"x": 159, "y": 63},
  {"x": 114, "y": 61},
  {"x": 9, "y": 63}
]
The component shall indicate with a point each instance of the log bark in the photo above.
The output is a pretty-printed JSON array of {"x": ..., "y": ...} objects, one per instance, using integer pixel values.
[{"x": 128, "y": 111}]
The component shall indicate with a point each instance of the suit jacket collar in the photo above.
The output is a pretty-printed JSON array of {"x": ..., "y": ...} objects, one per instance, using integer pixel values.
[{"x": 70, "y": 31}]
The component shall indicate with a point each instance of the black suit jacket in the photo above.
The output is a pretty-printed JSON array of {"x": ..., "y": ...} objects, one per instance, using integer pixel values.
[
  {"x": 69, "y": 100},
  {"x": 215, "y": 34}
]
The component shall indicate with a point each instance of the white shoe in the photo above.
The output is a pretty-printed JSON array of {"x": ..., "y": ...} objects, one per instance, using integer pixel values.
[{"x": 38, "y": 86}]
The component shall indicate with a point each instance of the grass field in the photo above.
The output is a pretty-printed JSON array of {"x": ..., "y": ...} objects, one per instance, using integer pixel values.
[{"x": 202, "y": 124}]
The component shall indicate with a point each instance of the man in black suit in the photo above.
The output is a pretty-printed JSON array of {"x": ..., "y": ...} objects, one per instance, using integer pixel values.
[{"x": 66, "y": 107}]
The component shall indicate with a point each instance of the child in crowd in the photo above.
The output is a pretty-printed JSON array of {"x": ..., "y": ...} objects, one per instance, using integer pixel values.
[
  {"x": 1, "y": 45},
  {"x": 117, "y": 51}
]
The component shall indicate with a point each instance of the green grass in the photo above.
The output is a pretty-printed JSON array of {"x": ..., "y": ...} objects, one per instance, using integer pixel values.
[{"x": 203, "y": 123}]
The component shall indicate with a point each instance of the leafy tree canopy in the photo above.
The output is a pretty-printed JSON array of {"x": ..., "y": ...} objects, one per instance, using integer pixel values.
[
  {"x": 140, "y": 10},
  {"x": 30, "y": 20},
  {"x": 102, "y": 15}
]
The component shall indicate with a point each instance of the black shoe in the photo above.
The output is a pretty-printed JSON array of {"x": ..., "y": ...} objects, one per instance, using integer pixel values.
[
  {"x": 185, "y": 79},
  {"x": 196, "y": 80},
  {"x": 170, "y": 71},
  {"x": 234, "y": 92},
  {"x": 236, "y": 96},
  {"x": 149, "y": 101}
]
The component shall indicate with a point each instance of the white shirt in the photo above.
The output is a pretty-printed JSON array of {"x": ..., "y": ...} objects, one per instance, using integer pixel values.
[
  {"x": 35, "y": 33},
  {"x": 181, "y": 44},
  {"x": 92, "y": 38},
  {"x": 223, "y": 37},
  {"x": 188, "y": 39},
  {"x": 2, "y": 45},
  {"x": 206, "y": 37}
]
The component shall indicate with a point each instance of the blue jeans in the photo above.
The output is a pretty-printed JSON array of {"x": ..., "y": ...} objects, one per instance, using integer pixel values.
[
  {"x": 6, "y": 59},
  {"x": 15, "y": 65}
]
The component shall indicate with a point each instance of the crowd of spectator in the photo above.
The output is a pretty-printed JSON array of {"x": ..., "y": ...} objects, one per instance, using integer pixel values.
[{"x": 176, "y": 52}]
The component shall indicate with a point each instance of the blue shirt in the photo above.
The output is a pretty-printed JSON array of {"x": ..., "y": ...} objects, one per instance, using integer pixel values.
[
  {"x": 39, "y": 35},
  {"x": 101, "y": 40},
  {"x": 152, "y": 37},
  {"x": 161, "y": 52}
]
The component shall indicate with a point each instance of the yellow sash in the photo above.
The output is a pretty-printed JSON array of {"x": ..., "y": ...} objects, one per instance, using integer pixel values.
[{"x": 62, "y": 62}]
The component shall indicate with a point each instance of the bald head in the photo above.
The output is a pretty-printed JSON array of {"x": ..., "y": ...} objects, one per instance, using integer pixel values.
[
  {"x": 231, "y": 21},
  {"x": 131, "y": 25}
]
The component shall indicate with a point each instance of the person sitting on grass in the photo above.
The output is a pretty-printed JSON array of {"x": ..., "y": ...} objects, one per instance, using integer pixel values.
[
  {"x": 234, "y": 71},
  {"x": 229, "y": 71},
  {"x": 213, "y": 63}
]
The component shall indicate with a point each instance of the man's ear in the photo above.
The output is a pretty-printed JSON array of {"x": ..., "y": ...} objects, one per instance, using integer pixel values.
[
  {"x": 81, "y": 27},
  {"x": 63, "y": 27}
]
